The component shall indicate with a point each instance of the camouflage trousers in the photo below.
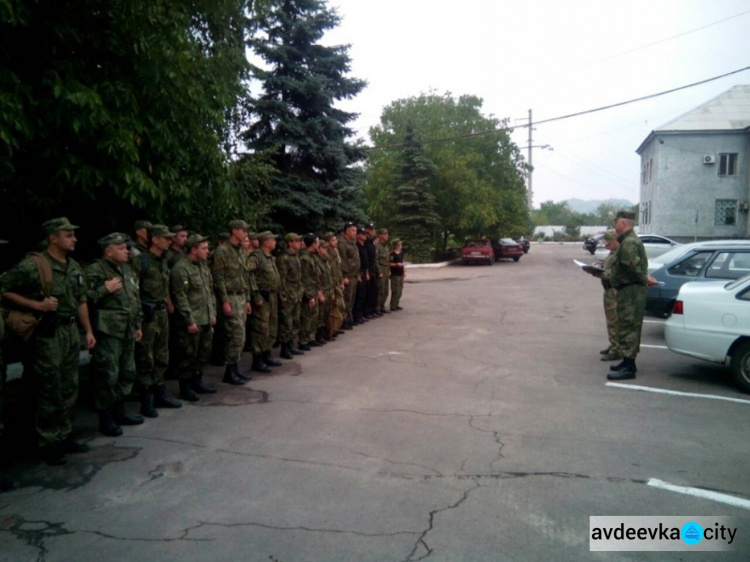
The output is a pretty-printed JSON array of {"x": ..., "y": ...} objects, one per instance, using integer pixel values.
[
  {"x": 112, "y": 370},
  {"x": 397, "y": 287},
  {"x": 610, "y": 313},
  {"x": 152, "y": 352},
  {"x": 324, "y": 310},
  {"x": 289, "y": 314},
  {"x": 383, "y": 284},
  {"x": 54, "y": 366},
  {"x": 631, "y": 304},
  {"x": 308, "y": 322},
  {"x": 235, "y": 328},
  {"x": 350, "y": 295},
  {"x": 193, "y": 350},
  {"x": 265, "y": 323}
]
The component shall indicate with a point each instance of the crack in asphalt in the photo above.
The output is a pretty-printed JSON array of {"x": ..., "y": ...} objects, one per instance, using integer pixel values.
[
  {"x": 301, "y": 528},
  {"x": 496, "y": 436}
]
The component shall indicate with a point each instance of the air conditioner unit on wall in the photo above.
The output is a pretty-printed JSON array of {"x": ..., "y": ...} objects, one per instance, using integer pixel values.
[
  {"x": 743, "y": 207},
  {"x": 709, "y": 159}
]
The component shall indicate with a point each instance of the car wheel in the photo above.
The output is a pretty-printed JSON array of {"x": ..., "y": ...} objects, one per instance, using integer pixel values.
[
  {"x": 490, "y": 262},
  {"x": 517, "y": 258},
  {"x": 740, "y": 365}
]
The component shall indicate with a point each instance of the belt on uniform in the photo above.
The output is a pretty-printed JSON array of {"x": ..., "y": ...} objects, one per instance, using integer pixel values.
[
  {"x": 235, "y": 293},
  {"x": 69, "y": 320},
  {"x": 623, "y": 285},
  {"x": 156, "y": 305},
  {"x": 266, "y": 289}
]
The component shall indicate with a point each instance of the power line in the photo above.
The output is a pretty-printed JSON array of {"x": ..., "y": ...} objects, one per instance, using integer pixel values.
[{"x": 568, "y": 116}]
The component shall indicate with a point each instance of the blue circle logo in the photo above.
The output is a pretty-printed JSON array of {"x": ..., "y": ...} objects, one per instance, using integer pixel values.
[{"x": 691, "y": 533}]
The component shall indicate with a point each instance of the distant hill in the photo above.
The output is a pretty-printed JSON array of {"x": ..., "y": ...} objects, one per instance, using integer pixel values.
[{"x": 590, "y": 205}]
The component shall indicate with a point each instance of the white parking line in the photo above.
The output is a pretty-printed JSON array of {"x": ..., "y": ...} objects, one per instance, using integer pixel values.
[
  {"x": 654, "y": 346},
  {"x": 677, "y": 392},
  {"x": 700, "y": 493},
  {"x": 654, "y": 322}
]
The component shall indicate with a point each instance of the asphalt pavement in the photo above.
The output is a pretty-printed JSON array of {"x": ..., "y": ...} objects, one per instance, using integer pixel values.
[{"x": 475, "y": 425}]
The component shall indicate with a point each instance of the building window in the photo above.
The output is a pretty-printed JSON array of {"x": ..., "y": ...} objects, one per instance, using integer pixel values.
[
  {"x": 726, "y": 212},
  {"x": 727, "y": 164},
  {"x": 650, "y": 169},
  {"x": 646, "y": 213}
]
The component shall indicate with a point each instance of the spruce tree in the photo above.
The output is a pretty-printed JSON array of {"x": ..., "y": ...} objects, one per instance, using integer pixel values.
[
  {"x": 415, "y": 220},
  {"x": 295, "y": 118}
]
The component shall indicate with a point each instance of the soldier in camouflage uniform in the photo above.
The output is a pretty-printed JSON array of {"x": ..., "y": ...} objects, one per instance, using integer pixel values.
[
  {"x": 114, "y": 299},
  {"x": 152, "y": 351},
  {"x": 326, "y": 296},
  {"x": 141, "y": 238},
  {"x": 350, "y": 269},
  {"x": 266, "y": 283},
  {"x": 219, "y": 345},
  {"x": 231, "y": 285},
  {"x": 290, "y": 295},
  {"x": 398, "y": 274},
  {"x": 334, "y": 261},
  {"x": 56, "y": 342},
  {"x": 195, "y": 315},
  {"x": 309, "y": 307},
  {"x": 173, "y": 255},
  {"x": 612, "y": 353},
  {"x": 384, "y": 268},
  {"x": 629, "y": 275}
]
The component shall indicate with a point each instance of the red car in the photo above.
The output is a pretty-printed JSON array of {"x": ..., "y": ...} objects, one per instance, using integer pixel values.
[
  {"x": 508, "y": 248},
  {"x": 478, "y": 250}
]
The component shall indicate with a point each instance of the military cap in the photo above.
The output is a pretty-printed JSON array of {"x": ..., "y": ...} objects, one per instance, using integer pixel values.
[
  {"x": 309, "y": 239},
  {"x": 396, "y": 241},
  {"x": 327, "y": 235},
  {"x": 177, "y": 228},
  {"x": 361, "y": 230},
  {"x": 141, "y": 224},
  {"x": 630, "y": 215},
  {"x": 114, "y": 238},
  {"x": 349, "y": 224},
  {"x": 55, "y": 225},
  {"x": 383, "y": 231},
  {"x": 370, "y": 226},
  {"x": 238, "y": 224},
  {"x": 159, "y": 230},
  {"x": 292, "y": 237},
  {"x": 194, "y": 239},
  {"x": 224, "y": 236},
  {"x": 252, "y": 235},
  {"x": 265, "y": 235},
  {"x": 610, "y": 235},
  {"x": 323, "y": 244}
]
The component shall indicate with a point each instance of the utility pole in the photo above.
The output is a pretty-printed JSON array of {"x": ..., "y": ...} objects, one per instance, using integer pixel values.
[{"x": 530, "y": 193}]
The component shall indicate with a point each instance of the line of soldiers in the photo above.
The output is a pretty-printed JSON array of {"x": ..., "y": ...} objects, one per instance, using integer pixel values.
[{"x": 162, "y": 303}]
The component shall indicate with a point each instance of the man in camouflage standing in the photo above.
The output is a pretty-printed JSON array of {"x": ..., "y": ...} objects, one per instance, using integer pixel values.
[
  {"x": 384, "y": 268},
  {"x": 629, "y": 276},
  {"x": 290, "y": 295},
  {"x": 334, "y": 261},
  {"x": 612, "y": 353},
  {"x": 309, "y": 276},
  {"x": 56, "y": 342},
  {"x": 173, "y": 255},
  {"x": 265, "y": 282},
  {"x": 232, "y": 295},
  {"x": 141, "y": 237},
  {"x": 350, "y": 269},
  {"x": 195, "y": 315},
  {"x": 326, "y": 295},
  {"x": 115, "y": 305},
  {"x": 152, "y": 351}
]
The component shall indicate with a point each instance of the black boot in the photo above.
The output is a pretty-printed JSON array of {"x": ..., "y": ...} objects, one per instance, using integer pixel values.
[
  {"x": 229, "y": 376},
  {"x": 243, "y": 377},
  {"x": 320, "y": 336},
  {"x": 626, "y": 373},
  {"x": 201, "y": 388},
  {"x": 162, "y": 401},
  {"x": 107, "y": 424},
  {"x": 259, "y": 365},
  {"x": 147, "y": 405},
  {"x": 122, "y": 417},
  {"x": 293, "y": 350},
  {"x": 285, "y": 351},
  {"x": 72, "y": 447},
  {"x": 187, "y": 392},
  {"x": 619, "y": 366},
  {"x": 303, "y": 347},
  {"x": 270, "y": 361}
]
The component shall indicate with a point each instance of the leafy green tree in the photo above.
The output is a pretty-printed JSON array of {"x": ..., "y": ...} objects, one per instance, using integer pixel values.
[
  {"x": 478, "y": 182},
  {"x": 112, "y": 110},
  {"x": 295, "y": 118},
  {"x": 414, "y": 219}
]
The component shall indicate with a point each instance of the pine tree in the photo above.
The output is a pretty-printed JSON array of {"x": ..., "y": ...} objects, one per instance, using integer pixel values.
[
  {"x": 317, "y": 184},
  {"x": 415, "y": 220}
]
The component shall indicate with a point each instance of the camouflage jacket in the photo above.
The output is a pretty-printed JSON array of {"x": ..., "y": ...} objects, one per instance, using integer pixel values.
[
  {"x": 309, "y": 275},
  {"x": 172, "y": 257},
  {"x": 263, "y": 273},
  {"x": 334, "y": 261},
  {"x": 116, "y": 314},
  {"x": 68, "y": 284},
  {"x": 230, "y": 272},
  {"x": 291, "y": 276},
  {"x": 153, "y": 277},
  {"x": 630, "y": 264},
  {"x": 383, "y": 258},
  {"x": 325, "y": 282},
  {"x": 350, "y": 264},
  {"x": 193, "y": 290}
]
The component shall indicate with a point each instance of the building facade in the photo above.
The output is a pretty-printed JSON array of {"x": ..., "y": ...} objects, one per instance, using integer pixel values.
[{"x": 695, "y": 172}]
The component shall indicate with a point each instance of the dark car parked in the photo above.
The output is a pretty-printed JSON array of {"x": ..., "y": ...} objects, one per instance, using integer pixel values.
[
  {"x": 507, "y": 248},
  {"x": 525, "y": 244},
  {"x": 590, "y": 243}
]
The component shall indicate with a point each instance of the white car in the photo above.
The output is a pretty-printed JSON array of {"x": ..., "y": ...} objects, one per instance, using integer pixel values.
[
  {"x": 711, "y": 321},
  {"x": 654, "y": 244}
]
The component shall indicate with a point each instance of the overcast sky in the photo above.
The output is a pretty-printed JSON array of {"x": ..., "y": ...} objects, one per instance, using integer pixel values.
[{"x": 555, "y": 58}]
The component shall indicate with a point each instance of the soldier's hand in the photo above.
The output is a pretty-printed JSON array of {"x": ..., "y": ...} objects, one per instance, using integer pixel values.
[
  {"x": 311, "y": 303},
  {"x": 346, "y": 281},
  {"x": 170, "y": 307},
  {"x": 90, "y": 340},
  {"x": 113, "y": 285},
  {"x": 259, "y": 304},
  {"x": 368, "y": 275},
  {"x": 213, "y": 321},
  {"x": 322, "y": 299},
  {"x": 49, "y": 304},
  {"x": 249, "y": 308},
  {"x": 359, "y": 278},
  {"x": 138, "y": 335},
  {"x": 193, "y": 329},
  {"x": 380, "y": 275},
  {"x": 226, "y": 308}
]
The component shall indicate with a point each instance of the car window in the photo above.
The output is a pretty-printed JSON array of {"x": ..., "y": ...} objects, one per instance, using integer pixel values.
[
  {"x": 729, "y": 265},
  {"x": 734, "y": 284},
  {"x": 691, "y": 266},
  {"x": 744, "y": 295},
  {"x": 475, "y": 243},
  {"x": 508, "y": 241},
  {"x": 670, "y": 256}
]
